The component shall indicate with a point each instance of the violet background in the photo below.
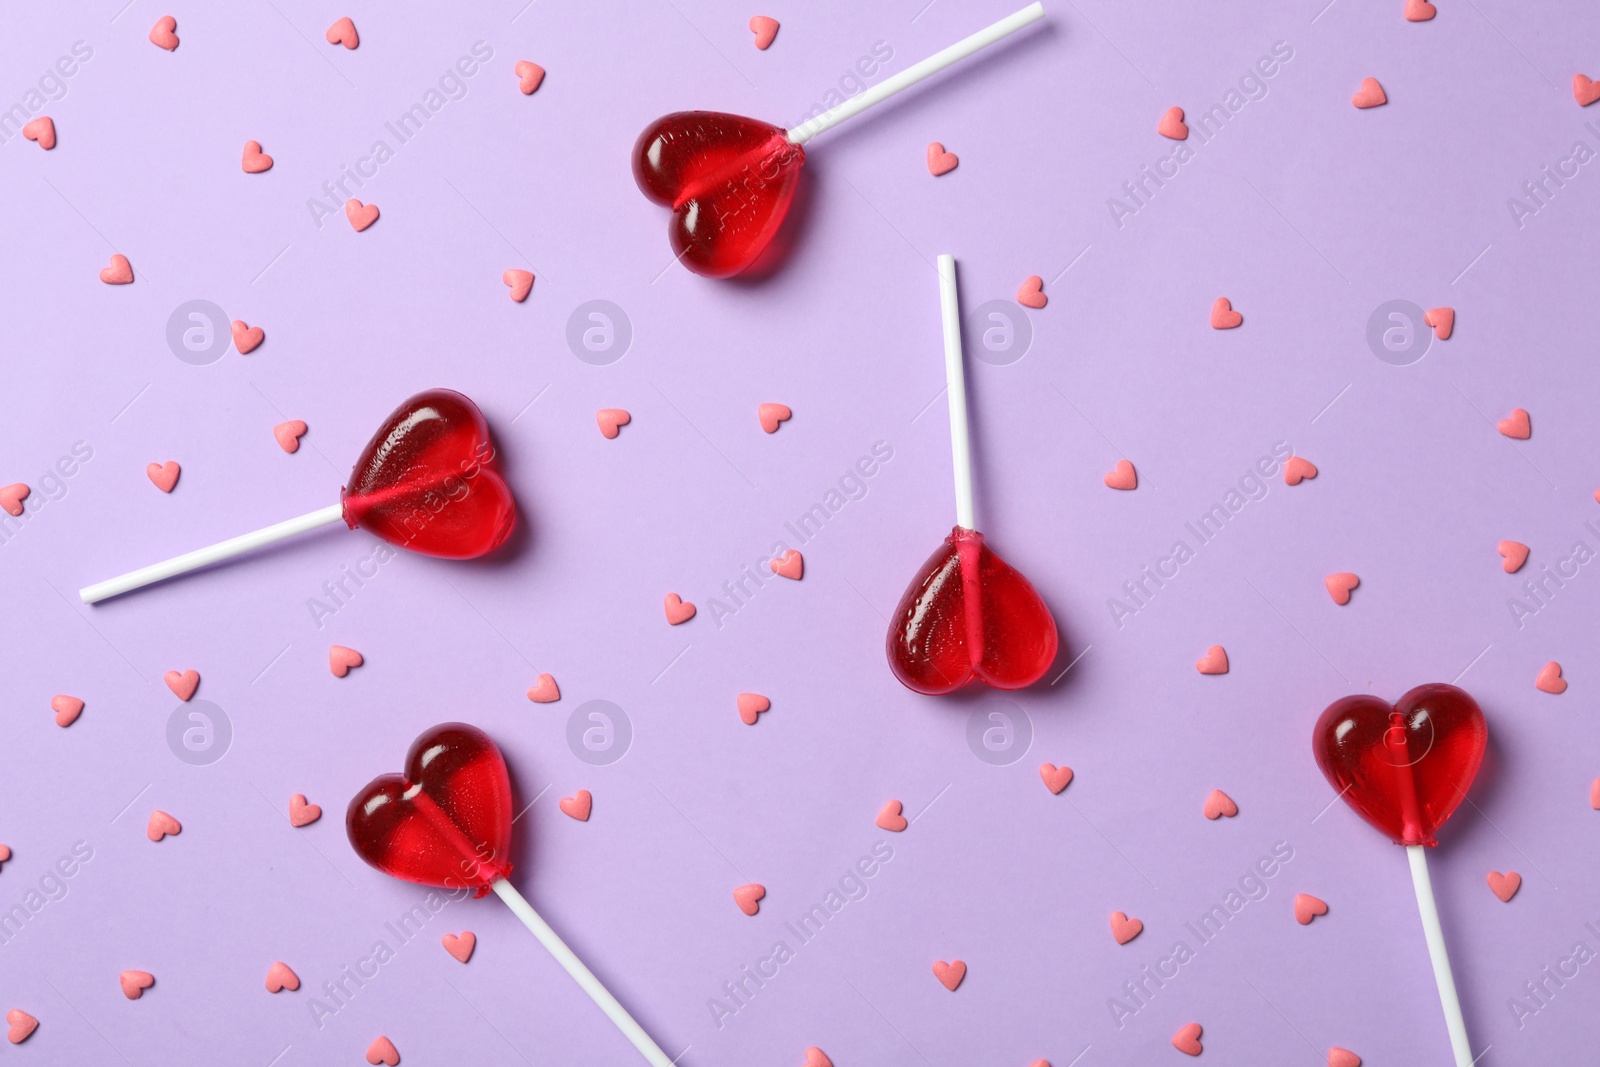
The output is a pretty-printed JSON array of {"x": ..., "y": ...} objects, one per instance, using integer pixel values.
[{"x": 1306, "y": 212}]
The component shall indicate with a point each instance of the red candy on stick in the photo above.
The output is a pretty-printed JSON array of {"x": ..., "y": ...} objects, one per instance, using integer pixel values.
[
  {"x": 1404, "y": 768},
  {"x": 428, "y": 481},
  {"x": 968, "y": 613},
  {"x": 729, "y": 180},
  {"x": 446, "y": 822}
]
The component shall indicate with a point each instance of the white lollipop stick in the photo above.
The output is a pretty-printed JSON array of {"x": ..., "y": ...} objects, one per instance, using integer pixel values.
[
  {"x": 1418, "y": 855},
  {"x": 580, "y": 974},
  {"x": 956, "y": 382},
  {"x": 202, "y": 557},
  {"x": 912, "y": 75}
]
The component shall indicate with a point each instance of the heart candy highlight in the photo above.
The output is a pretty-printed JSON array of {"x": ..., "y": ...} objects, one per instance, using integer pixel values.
[{"x": 1403, "y": 767}]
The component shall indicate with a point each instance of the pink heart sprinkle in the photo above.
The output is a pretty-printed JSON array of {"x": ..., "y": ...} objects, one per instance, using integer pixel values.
[
  {"x": 1055, "y": 778},
  {"x": 949, "y": 974},
  {"x": 1339, "y": 586},
  {"x": 280, "y": 977},
  {"x": 162, "y": 825},
  {"x": 182, "y": 685},
  {"x": 1172, "y": 125},
  {"x": 1516, "y": 425},
  {"x": 1187, "y": 1040},
  {"x": 765, "y": 30},
  {"x": 1505, "y": 886},
  {"x": 815, "y": 1057},
  {"x": 544, "y": 690},
  {"x": 1308, "y": 907},
  {"x": 247, "y": 338},
  {"x": 341, "y": 659},
  {"x": 119, "y": 273},
  {"x": 1297, "y": 469},
  {"x": 771, "y": 415},
  {"x": 678, "y": 609},
  {"x": 1594, "y": 794},
  {"x": 255, "y": 161},
  {"x": 164, "y": 476},
  {"x": 1550, "y": 680},
  {"x": 1443, "y": 321},
  {"x": 1370, "y": 94},
  {"x": 42, "y": 130},
  {"x": 22, "y": 1025},
  {"x": 12, "y": 496},
  {"x": 1343, "y": 1057},
  {"x": 382, "y": 1050},
  {"x": 67, "y": 709},
  {"x": 751, "y": 705},
  {"x": 940, "y": 161},
  {"x": 288, "y": 434},
  {"x": 343, "y": 32},
  {"x": 1223, "y": 317},
  {"x": 360, "y": 215},
  {"x": 1220, "y": 804},
  {"x": 1122, "y": 476},
  {"x": 521, "y": 283},
  {"x": 890, "y": 817},
  {"x": 1586, "y": 92},
  {"x": 460, "y": 946},
  {"x": 790, "y": 565},
  {"x": 1416, "y": 11},
  {"x": 1031, "y": 293},
  {"x": 1215, "y": 661},
  {"x": 748, "y": 897},
  {"x": 578, "y": 806},
  {"x": 611, "y": 421},
  {"x": 162, "y": 35},
  {"x": 529, "y": 76},
  {"x": 302, "y": 812},
  {"x": 1514, "y": 554},
  {"x": 134, "y": 983},
  {"x": 1124, "y": 929}
]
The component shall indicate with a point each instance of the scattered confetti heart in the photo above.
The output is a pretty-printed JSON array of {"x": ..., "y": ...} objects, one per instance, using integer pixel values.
[
  {"x": 1550, "y": 680},
  {"x": 1124, "y": 929},
  {"x": 1586, "y": 92},
  {"x": 1339, "y": 586},
  {"x": 1297, "y": 469},
  {"x": 1443, "y": 321},
  {"x": 529, "y": 76},
  {"x": 1308, "y": 907},
  {"x": 748, "y": 897},
  {"x": 42, "y": 130},
  {"x": 1122, "y": 476},
  {"x": 182, "y": 685},
  {"x": 949, "y": 974},
  {"x": 1517, "y": 425},
  {"x": 578, "y": 806},
  {"x": 544, "y": 690},
  {"x": 288, "y": 434},
  {"x": 1370, "y": 94},
  {"x": 1223, "y": 317},
  {"x": 67, "y": 709},
  {"x": 302, "y": 812},
  {"x": 940, "y": 161},
  {"x": 752, "y": 705},
  {"x": 162, "y": 35},
  {"x": 280, "y": 977},
  {"x": 1031, "y": 293},
  {"x": 1173, "y": 126},
  {"x": 890, "y": 817},
  {"x": 460, "y": 945},
  {"x": 1514, "y": 555},
  {"x": 341, "y": 659},
  {"x": 790, "y": 565},
  {"x": 381, "y": 1050},
  {"x": 1504, "y": 886},
  {"x": 164, "y": 476},
  {"x": 1594, "y": 794},
  {"x": 1343, "y": 1057},
  {"x": 611, "y": 421},
  {"x": 255, "y": 161},
  {"x": 815, "y": 1057},
  {"x": 1419, "y": 11},
  {"x": 679, "y": 610},
  {"x": 1187, "y": 1040},
  {"x": 360, "y": 215},
  {"x": 344, "y": 32},
  {"x": 521, "y": 283},
  {"x": 1220, "y": 804},
  {"x": 247, "y": 338},
  {"x": 772, "y": 415},
  {"x": 22, "y": 1025},
  {"x": 12, "y": 496},
  {"x": 765, "y": 30},
  {"x": 134, "y": 983},
  {"x": 1055, "y": 778},
  {"x": 5, "y": 853},
  {"x": 1215, "y": 661},
  {"x": 162, "y": 825},
  {"x": 119, "y": 273}
]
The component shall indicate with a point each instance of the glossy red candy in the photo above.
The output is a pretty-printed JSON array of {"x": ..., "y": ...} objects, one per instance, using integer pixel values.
[
  {"x": 968, "y": 614},
  {"x": 728, "y": 180},
  {"x": 429, "y": 481},
  {"x": 447, "y": 820},
  {"x": 1403, "y": 767}
]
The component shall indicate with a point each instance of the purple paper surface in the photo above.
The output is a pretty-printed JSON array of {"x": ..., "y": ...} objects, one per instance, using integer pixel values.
[{"x": 1310, "y": 215}]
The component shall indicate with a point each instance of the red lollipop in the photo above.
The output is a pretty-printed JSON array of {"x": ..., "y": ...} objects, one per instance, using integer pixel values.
[
  {"x": 968, "y": 613},
  {"x": 428, "y": 480},
  {"x": 1405, "y": 767},
  {"x": 729, "y": 180},
  {"x": 446, "y": 822}
]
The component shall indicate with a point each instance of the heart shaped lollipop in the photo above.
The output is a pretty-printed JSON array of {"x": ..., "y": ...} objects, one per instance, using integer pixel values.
[
  {"x": 968, "y": 613},
  {"x": 729, "y": 180},
  {"x": 446, "y": 821},
  {"x": 1405, "y": 768},
  {"x": 428, "y": 481}
]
